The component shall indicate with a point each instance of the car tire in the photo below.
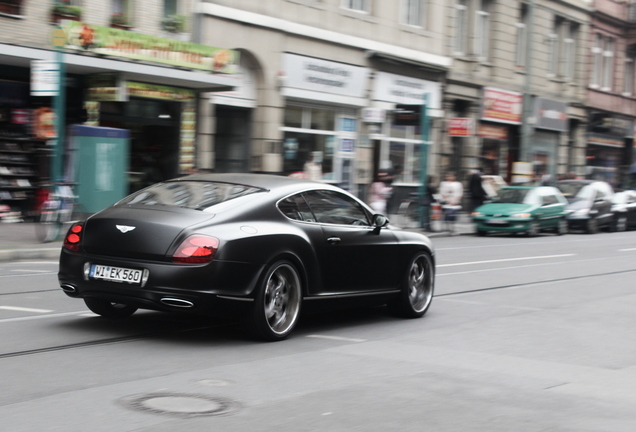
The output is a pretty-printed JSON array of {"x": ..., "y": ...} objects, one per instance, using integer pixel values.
[
  {"x": 562, "y": 228},
  {"x": 481, "y": 233},
  {"x": 416, "y": 293},
  {"x": 592, "y": 226},
  {"x": 533, "y": 230},
  {"x": 277, "y": 304},
  {"x": 109, "y": 309}
]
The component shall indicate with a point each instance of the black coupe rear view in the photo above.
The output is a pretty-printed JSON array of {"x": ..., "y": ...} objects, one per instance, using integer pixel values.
[{"x": 255, "y": 246}]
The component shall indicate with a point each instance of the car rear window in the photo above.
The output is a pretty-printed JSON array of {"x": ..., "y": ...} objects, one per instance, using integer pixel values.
[{"x": 196, "y": 195}]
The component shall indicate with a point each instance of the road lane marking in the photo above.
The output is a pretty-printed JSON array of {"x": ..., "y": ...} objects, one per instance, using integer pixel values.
[
  {"x": 338, "y": 338},
  {"x": 36, "y": 317},
  {"x": 627, "y": 250},
  {"x": 505, "y": 260},
  {"x": 23, "y": 309},
  {"x": 30, "y": 271},
  {"x": 27, "y": 275}
]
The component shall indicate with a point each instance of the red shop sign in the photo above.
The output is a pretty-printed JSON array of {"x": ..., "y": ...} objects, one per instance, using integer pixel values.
[
  {"x": 492, "y": 132},
  {"x": 461, "y": 127},
  {"x": 502, "y": 106}
]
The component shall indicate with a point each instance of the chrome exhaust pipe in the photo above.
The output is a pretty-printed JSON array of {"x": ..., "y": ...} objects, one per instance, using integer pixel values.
[
  {"x": 68, "y": 288},
  {"x": 174, "y": 302}
]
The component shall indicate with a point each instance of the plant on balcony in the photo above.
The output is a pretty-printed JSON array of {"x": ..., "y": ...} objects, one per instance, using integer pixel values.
[
  {"x": 67, "y": 11},
  {"x": 120, "y": 20},
  {"x": 173, "y": 23}
]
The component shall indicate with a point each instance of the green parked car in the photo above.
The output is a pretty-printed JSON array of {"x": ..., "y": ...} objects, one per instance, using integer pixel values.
[{"x": 523, "y": 209}]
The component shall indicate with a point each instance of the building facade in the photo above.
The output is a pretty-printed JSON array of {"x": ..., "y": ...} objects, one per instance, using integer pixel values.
[
  {"x": 611, "y": 98},
  {"x": 519, "y": 82}
]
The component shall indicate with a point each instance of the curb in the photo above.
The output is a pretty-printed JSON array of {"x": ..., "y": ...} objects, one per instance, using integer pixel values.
[{"x": 23, "y": 254}]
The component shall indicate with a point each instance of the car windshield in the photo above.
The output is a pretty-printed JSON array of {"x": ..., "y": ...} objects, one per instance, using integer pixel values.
[
  {"x": 576, "y": 191},
  {"x": 516, "y": 196},
  {"x": 196, "y": 195}
]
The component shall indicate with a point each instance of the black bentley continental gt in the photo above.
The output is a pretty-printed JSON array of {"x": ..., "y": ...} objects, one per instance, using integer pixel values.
[{"x": 260, "y": 246}]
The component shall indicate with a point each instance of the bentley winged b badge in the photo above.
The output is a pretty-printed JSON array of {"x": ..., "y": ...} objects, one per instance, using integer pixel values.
[{"x": 125, "y": 228}]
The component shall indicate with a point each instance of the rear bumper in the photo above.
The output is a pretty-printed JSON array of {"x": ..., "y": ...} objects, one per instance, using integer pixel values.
[{"x": 211, "y": 289}]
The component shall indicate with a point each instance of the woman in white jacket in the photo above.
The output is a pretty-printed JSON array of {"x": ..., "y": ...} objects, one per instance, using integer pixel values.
[{"x": 451, "y": 192}]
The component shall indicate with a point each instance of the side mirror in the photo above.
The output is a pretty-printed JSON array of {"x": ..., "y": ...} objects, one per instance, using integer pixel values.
[{"x": 379, "y": 221}]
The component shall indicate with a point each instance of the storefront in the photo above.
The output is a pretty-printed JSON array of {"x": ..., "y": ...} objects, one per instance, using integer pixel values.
[
  {"x": 499, "y": 129},
  {"x": 320, "y": 122},
  {"x": 551, "y": 121},
  {"x": 609, "y": 142}
]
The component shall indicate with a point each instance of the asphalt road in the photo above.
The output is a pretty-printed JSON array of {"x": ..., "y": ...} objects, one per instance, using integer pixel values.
[{"x": 524, "y": 334}]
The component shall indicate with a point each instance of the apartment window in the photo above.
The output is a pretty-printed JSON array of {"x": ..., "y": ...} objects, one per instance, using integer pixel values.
[
  {"x": 170, "y": 7},
  {"x": 413, "y": 12},
  {"x": 630, "y": 61},
  {"x": 522, "y": 36},
  {"x": 122, "y": 13},
  {"x": 569, "y": 50},
  {"x": 461, "y": 24},
  {"x": 554, "y": 43},
  {"x": 482, "y": 29},
  {"x": 608, "y": 64},
  {"x": 632, "y": 11},
  {"x": 11, "y": 7},
  {"x": 597, "y": 61},
  {"x": 357, "y": 5}
]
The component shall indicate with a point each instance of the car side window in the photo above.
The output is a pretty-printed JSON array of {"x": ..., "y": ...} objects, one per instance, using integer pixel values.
[
  {"x": 550, "y": 199},
  {"x": 295, "y": 207},
  {"x": 333, "y": 207}
]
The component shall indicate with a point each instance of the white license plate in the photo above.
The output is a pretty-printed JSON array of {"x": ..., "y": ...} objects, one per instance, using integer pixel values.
[
  {"x": 497, "y": 221},
  {"x": 115, "y": 274}
]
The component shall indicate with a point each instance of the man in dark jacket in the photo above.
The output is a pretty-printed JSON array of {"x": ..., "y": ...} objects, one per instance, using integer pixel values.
[{"x": 476, "y": 190}]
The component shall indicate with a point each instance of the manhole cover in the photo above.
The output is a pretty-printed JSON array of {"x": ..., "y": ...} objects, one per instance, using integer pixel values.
[{"x": 180, "y": 405}]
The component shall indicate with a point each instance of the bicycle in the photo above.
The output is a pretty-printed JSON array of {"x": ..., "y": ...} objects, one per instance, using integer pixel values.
[{"x": 55, "y": 212}]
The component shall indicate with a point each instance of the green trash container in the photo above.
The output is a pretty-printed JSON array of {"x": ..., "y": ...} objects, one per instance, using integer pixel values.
[{"x": 101, "y": 158}]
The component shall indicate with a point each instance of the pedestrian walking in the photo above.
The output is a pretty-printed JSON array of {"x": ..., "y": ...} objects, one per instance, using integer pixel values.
[
  {"x": 476, "y": 190},
  {"x": 379, "y": 193},
  {"x": 451, "y": 192}
]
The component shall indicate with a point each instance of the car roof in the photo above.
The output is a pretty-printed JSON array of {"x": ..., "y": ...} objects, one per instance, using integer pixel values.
[{"x": 265, "y": 181}]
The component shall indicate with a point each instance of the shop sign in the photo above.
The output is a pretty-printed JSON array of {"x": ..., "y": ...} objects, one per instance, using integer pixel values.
[
  {"x": 501, "y": 106},
  {"x": 606, "y": 123},
  {"x": 551, "y": 114},
  {"x": 106, "y": 88},
  {"x": 138, "y": 46},
  {"x": 461, "y": 127},
  {"x": 404, "y": 90},
  {"x": 307, "y": 73},
  {"x": 492, "y": 132},
  {"x": 373, "y": 115},
  {"x": 155, "y": 91},
  {"x": 606, "y": 141},
  {"x": 45, "y": 76},
  {"x": 407, "y": 115}
]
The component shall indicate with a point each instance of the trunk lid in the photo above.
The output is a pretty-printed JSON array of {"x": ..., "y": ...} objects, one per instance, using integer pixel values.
[{"x": 138, "y": 233}]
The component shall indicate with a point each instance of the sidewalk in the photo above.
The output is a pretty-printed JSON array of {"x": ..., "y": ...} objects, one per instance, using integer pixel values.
[
  {"x": 18, "y": 240},
  {"x": 463, "y": 226}
]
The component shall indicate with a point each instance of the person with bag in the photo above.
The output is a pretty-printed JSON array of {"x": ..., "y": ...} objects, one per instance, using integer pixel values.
[{"x": 451, "y": 192}]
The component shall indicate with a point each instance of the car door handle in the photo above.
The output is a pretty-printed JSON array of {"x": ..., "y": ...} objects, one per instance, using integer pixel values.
[{"x": 333, "y": 240}]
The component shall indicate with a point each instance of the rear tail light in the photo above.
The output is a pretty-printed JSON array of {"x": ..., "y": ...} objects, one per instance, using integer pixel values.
[
  {"x": 196, "y": 249},
  {"x": 74, "y": 236}
]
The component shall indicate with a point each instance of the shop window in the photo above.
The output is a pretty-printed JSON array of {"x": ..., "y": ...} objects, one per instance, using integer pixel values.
[
  {"x": 322, "y": 119},
  {"x": 293, "y": 117},
  {"x": 11, "y": 7}
]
